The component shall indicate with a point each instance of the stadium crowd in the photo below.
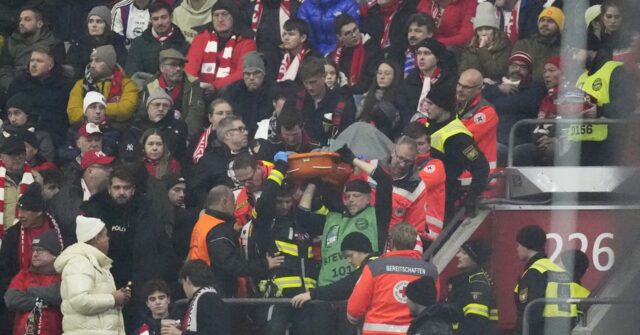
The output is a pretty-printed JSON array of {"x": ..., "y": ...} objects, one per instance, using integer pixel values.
[{"x": 147, "y": 146}]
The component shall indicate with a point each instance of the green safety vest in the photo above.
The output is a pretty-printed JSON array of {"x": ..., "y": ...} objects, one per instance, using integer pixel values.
[
  {"x": 334, "y": 266},
  {"x": 454, "y": 127}
]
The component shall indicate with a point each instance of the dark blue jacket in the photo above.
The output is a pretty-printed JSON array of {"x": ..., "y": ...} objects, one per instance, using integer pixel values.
[{"x": 320, "y": 15}]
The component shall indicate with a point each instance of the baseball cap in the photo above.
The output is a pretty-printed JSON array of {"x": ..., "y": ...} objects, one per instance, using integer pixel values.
[
  {"x": 95, "y": 157},
  {"x": 88, "y": 128}
]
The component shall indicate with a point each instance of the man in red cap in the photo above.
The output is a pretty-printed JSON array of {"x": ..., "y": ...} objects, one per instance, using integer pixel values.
[{"x": 89, "y": 137}]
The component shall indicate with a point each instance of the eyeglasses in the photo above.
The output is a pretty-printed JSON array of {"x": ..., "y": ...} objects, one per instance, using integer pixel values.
[
  {"x": 240, "y": 129},
  {"x": 160, "y": 105},
  {"x": 174, "y": 65},
  {"x": 38, "y": 250},
  {"x": 467, "y": 87}
]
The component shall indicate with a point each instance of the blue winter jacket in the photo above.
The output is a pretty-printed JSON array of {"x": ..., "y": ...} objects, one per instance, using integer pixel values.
[{"x": 320, "y": 15}]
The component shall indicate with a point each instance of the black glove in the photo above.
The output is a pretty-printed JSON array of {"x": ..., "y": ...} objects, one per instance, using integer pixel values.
[
  {"x": 471, "y": 206},
  {"x": 346, "y": 155}
]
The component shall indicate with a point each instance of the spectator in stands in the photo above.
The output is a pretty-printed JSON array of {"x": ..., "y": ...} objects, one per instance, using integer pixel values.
[
  {"x": 453, "y": 20},
  {"x": 157, "y": 157},
  {"x": 325, "y": 112},
  {"x": 206, "y": 312},
  {"x": 268, "y": 23},
  {"x": 159, "y": 115},
  {"x": 183, "y": 217},
  {"x": 518, "y": 19},
  {"x": 430, "y": 71},
  {"x": 34, "y": 293},
  {"x": 615, "y": 37},
  {"x": 545, "y": 43},
  {"x": 90, "y": 300},
  {"x": 517, "y": 97},
  {"x": 478, "y": 115},
  {"x": 214, "y": 242},
  {"x": 251, "y": 175},
  {"x": 185, "y": 91},
  {"x": 97, "y": 32},
  {"x": 429, "y": 317},
  {"x": 65, "y": 206},
  {"x": 489, "y": 49},
  {"x": 130, "y": 18},
  {"x": 33, "y": 157},
  {"x": 285, "y": 63},
  {"x": 419, "y": 133},
  {"x": 420, "y": 27},
  {"x": 88, "y": 138},
  {"x": 161, "y": 35},
  {"x": 19, "y": 119},
  {"x": 217, "y": 52},
  {"x": 251, "y": 96},
  {"x": 15, "y": 178},
  {"x": 48, "y": 88},
  {"x": 356, "y": 58},
  {"x": 320, "y": 16},
  {"x": 379, "y": 297},
  {"x": 291, "y": 136},
  {"x": 211, "y": 170},
  {"x": 332, "y": 75},
  {"x": 190, "y": 14},
  {"x": 385, "y": 21},
  {"x": 105, "y": 76},
  {"x": 32, "y": 32},
  {"x": 218, "y": 109},
  {"x": 51, "y": 184},
  {"x": 140, "y": 248},
  {"x": 386, "y": 87},
  {"x": 157, "y": 298}
]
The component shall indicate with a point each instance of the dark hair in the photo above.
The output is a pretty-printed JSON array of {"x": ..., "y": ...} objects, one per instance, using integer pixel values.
[
  {"x": 421, "y": 20},
  {"x": 390, "y": 93},
  {"x": 341, "y": 21},
  {"x": 311, "y": 67},
  {"x": 159, "y": 5},
  {"x": 612, "y": 3},
  {"x": 154, "y": 285},
  {"x": 51, "y": 176},
  {"x": 37, "y": 11},
  {"x": 289, "y": 117},
  {"x": 122, "y": 173},
  {"x": 296, "y": 24},
  {"x": 245, "y": 160},
  {"x": 415, "y": 130},
  {"x": 198, "y": 273}
]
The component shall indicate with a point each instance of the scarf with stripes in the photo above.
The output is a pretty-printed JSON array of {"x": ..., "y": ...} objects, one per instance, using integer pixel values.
[
  {"x": 214, "y": 65},
  {"x": 27, "y": 178}
]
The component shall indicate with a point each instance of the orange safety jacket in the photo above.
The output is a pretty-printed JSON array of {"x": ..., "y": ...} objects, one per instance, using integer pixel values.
[
  {"x": 198, "y": 246},
  {"x": 434, "y": 177},
  {"x": 481, "y": 119},
  {"x": 380, "y": 296},
  {"x": 244, "y": 204}
]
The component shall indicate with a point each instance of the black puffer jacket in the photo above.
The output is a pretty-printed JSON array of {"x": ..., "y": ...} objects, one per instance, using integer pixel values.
[{"x": 433, "y": 320}]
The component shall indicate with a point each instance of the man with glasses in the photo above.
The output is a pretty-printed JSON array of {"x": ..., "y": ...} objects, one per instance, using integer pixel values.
[
  {"x": 479, "y": 116},
  {"x": 184, "y": 91},
  {"x": 252, "y": 96},
  {"x": 211, "y": 170},
  {"x": 250, "y": 174}
]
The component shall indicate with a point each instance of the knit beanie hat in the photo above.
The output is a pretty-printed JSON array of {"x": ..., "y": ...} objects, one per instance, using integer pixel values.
[
  {"x": 170, "y": 180},
  {"x": 555, "y": 14},
  {"x": 159, "y": 93},
  {"x": 523, "y": 57},
  {"x": 478, "y": 250},
  {"x": 102, "y": 12},
  {"x": 12, "y": 145},
  {"x": 107, "y": 53},
  {"x": 555, "y": 60},
  {"x": 357, "y": 185},
  {"x": 443, "y": 96},
  {"x": 437, "y": 49},
  {"x": 21, "y": 101},
  {"x": 49, "y": 240},
  {"x": 422, "y": 291},
  {"x": 532, "y": 237},
  {"x": 92, "y": 97},
  {"x": 356, "y": 242},
  {"x": 227, "y": 5},
  {"x": 486, "y": 16},
  {"x": 253, "y": 62},
  {"x": 31, "y": 199},
  {"x": 87, "y": 228}
]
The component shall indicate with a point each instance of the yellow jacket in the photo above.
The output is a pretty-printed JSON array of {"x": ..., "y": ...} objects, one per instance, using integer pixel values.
[{"x": 117, "y": 111}]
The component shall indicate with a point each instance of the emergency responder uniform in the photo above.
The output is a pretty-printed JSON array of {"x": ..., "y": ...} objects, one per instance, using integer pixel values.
[
  {"x": 246, "y": 201},
  {"x": 480, "y": 117},
  {"x": 472, "y": 294},
  {"x": 434, "y": 177},
  {"x": 380, "y": 296},
  {"x": 287, "y": 236}
]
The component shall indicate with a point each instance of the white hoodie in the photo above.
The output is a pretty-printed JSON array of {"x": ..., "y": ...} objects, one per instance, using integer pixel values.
[{"x": 185, "y": 17}]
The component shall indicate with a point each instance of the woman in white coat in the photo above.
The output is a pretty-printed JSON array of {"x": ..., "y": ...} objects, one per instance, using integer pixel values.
[{"x": 90, "y": 302}]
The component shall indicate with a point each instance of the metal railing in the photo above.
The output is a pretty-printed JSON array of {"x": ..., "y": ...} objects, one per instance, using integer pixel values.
[
  {"x": 532, "y": 122},
  {"x": 276, "y": 301},
  {"x": 577, "y": 301},
  {"x": 449, "y": 228}
]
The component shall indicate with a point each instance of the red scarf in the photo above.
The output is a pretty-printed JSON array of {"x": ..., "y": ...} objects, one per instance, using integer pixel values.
[
  {"x": 289, "y": 67},
  {"x": 215, "y": 66},
  {"x": 357, "y": 62},
  {"x": 162, "y": 38},
  {"x": 201, "y": 147},
  {"x": 436, "y": 13},
  {"x": 388, "y": 12},
  {"x": 174, "y": 91},
  {"x": 116, "y": 86},
  {"x": 284, "y": 13},
  {"x": 172, "y": 167},
  {"x": 512, "y": 28},
  {"x": 434, "y": 76},
  {"x": 27, "y": 178}
]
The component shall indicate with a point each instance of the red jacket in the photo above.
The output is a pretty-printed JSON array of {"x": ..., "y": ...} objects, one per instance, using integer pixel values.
[
  {"x": 455, "y": 27},
  {"x": 50, "y": 317},
  {"x": 380, "y": 296},
  {"x": 481, "y": 119},
  {"x": 434, "y": 177},
  {"x": 244, "y": 204},
  {"x": 197, "y": 51}
]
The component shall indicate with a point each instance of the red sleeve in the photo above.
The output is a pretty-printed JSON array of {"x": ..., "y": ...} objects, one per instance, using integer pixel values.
[
  {"x": 484, "y": 126},
  {"x": 243, "y": 47},
  {"x": 194, "y": 55},
  {"x": 19, "y": 282},
  {"x": 360, "y": 298},
  {"x": 424, "y": 6},
  {"x": 467, "y": 10}
]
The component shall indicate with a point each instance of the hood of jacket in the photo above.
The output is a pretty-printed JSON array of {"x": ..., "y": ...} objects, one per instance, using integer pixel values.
[
  {"x": 205, "y": 9},
  {"x": 44, "y": 35},
  {"x": 80, "y": 249}
]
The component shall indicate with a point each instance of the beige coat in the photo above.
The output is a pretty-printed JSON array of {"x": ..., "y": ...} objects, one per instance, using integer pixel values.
[{"x": 88, "y": 306}]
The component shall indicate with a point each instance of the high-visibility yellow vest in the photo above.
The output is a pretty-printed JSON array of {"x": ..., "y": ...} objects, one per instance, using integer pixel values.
[
  {"x": 454, "y": 127},
  {"x": 598, "y": 84}
]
